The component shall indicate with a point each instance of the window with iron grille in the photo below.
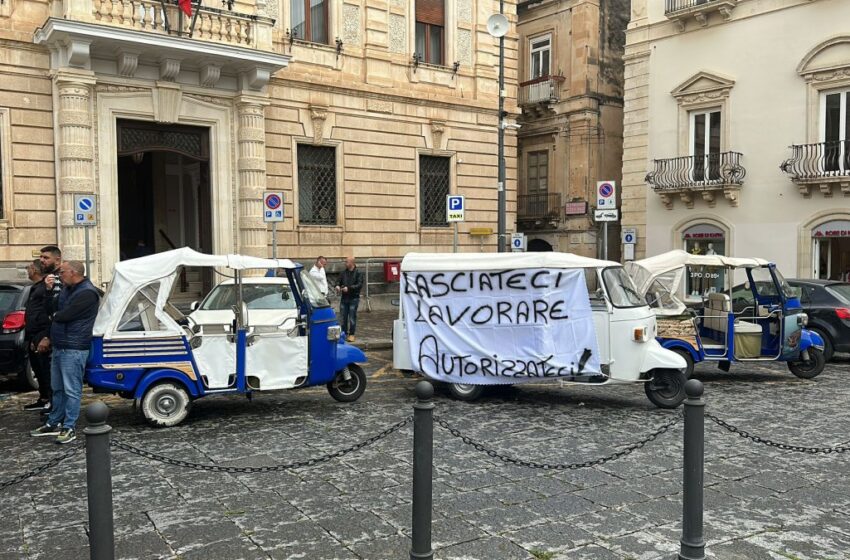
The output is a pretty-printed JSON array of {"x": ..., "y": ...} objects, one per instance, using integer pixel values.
[
  {"x": 434, "y": 181},
  {"x": 316, "y": 185}
]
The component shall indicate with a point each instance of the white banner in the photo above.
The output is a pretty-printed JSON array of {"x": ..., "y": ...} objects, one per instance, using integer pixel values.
[{"x": 488, "y": 328}]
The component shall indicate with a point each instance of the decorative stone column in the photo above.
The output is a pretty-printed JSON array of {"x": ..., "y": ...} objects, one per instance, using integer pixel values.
[
  {"x": 76, "y": 160},
  {"x": 253, "y": 238}
]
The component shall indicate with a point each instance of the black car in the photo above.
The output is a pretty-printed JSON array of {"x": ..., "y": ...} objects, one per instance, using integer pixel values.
[
  {"x": 13, "y": 352},
  {"x": 827, "y": 303}
]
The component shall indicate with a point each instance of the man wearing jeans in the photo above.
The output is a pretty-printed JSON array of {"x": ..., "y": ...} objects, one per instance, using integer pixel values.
[
  {"x": 348, "y": 286},
  {"x": 70, "y": 335}
]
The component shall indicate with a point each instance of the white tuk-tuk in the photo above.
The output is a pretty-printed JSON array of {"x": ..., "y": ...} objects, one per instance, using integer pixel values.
[{"x": 473, "y": 320}]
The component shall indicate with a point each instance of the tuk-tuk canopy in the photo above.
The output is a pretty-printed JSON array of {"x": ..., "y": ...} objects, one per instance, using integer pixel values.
[
  {"x": 160, "y": 271},
  {"x": 437, "y": 262},
  {"x": 645, "y": 271}
]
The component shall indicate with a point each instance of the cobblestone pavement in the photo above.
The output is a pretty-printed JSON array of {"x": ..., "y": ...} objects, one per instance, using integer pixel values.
[{"x": 761, "y": 502}]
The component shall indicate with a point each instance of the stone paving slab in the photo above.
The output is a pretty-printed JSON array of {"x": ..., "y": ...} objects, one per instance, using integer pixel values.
[{"x": 761, "y": 502}]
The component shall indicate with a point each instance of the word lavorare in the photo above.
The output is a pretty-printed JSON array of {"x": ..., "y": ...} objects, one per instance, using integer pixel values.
[
  {"x": 440, "y": 284},
  {"x": 522, "y": 312},
  {"x": 435, "y": 362}
]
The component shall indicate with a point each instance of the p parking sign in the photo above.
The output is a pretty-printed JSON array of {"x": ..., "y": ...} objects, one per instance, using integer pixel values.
[
  {"x": 455, "y": 208},
  {"x": 85, "y": 210}
]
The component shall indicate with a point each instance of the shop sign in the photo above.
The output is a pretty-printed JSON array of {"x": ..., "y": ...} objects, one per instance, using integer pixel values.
[
  {"x": 703, "y": 231},
  {"x": 835, "y": 228},
  {"x": 575, "y": 208}
]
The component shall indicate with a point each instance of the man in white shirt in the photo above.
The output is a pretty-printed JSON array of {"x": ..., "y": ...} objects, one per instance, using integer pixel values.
[{"x": 318, "y": 273}]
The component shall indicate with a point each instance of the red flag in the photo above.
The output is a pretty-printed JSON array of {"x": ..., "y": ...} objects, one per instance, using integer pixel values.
[{"x": 186, "y": 6}]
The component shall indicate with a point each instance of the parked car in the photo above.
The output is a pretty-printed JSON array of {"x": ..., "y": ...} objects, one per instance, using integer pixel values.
[
  {"x": 827, "y": 303},
  {"x": 13, "y": 351},
  {"x": 269, "y": 301}
]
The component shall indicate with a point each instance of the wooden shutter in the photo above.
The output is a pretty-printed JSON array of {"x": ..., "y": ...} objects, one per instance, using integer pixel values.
[{"x": 430, "y": 11}]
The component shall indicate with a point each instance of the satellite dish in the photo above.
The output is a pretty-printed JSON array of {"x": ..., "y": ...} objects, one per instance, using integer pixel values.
[{"x": 497, "y": 25}]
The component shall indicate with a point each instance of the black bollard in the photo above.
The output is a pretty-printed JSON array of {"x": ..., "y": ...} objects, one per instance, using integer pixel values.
[
  {"x": 692, "y": 542},
  {"x": 423, "y": 456},
  {"x": 99, "y": 482}
]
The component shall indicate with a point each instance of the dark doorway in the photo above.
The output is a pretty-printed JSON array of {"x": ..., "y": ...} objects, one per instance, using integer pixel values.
[{"x": 538, "y": 246}]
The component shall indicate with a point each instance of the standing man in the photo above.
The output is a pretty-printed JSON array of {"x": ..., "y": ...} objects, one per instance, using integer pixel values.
[
  {"x": 348, "y": 286},
  {"x": 319, "y": 274},
  {"x": 38, "y": 330},
  {"x": 70, "y": 335}
]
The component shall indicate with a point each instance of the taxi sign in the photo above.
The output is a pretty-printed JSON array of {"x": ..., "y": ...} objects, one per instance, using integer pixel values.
[
  {"x": 455, "y": 208},
  {"x": 273, "y": 206},
  {"x": 85, "y": 210}
]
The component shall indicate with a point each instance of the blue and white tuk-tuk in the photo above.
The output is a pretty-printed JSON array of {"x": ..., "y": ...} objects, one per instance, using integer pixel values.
[
  {"x": 145, "y": 349},
  {"x": 734, "y": 310}
]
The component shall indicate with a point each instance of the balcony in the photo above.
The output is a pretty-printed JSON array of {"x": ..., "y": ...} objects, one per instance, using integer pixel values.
[
  {"x": 535, "y": 96},
  {"x": 682, "y": 10},
  {"x": 705, "y": 175},
  {"x": 542, "y": 210},
  {"x": 821, "y": 165}
]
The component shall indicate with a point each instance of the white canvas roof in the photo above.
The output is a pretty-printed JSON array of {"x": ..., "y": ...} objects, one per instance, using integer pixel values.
[
  {"x": 437, "y": 262},
  {"x": 131, "y": 275},
  {"x": 645, "y": 270}
]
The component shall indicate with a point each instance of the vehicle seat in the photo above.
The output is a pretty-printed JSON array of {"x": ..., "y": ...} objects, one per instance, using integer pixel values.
[
  {"x": 747, "y": 340},
  {"x": 719, "y": 306}
]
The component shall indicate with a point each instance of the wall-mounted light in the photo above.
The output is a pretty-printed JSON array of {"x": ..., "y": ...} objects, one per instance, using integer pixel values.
[
  {"x": 227, "y": 4},
  {"x": 338, "y": 47},
  {"x": 455, "y": 66},
  {"x": 417, "y": 58},
  {"x": 291, "y": 35}
]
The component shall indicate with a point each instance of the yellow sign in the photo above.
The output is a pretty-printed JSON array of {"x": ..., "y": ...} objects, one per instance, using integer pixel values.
[{"x": 481, "y": 231}]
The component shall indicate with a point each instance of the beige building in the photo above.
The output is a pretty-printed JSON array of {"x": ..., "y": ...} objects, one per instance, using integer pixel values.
[
  {"x": 736, "y": 130},
  {"x": 364, "y": 113},
  {"x": 571, "y": 135}
]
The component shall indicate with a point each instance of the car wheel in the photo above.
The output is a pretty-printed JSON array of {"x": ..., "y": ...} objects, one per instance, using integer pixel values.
[
  {"x": 348, "y": 390},
  {"x": 165, "y": 405},
  {"x": 828, "y": 347},
  {"x": 808, "y": 369},
  {"x": 465, "y": 392},
  {"x": 666, "y": 389},
  {"x": 27, "y": 378}
]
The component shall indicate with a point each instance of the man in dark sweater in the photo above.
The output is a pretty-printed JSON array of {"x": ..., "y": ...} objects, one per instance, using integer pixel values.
[
  {"x": 348, "y": 287},
  {"x": 70, "y": 335},
  {"x": 38, "y": 329}
]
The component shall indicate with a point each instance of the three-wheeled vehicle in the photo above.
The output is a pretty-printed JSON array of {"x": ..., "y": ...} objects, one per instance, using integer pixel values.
[
  {"x": 145, "y": 349},
  {"x": 738, "y": 310},
  {"x": 474, "y": 326}
]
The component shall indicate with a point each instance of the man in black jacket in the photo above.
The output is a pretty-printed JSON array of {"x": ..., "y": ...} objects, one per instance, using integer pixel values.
[
  {"x": 348, "y": 286},
  {"x": 38, "y": 329},
  {"x": 70, "y": 336}
]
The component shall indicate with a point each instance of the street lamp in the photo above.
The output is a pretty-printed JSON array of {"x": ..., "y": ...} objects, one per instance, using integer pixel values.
[{"x": 497, "y": 26}]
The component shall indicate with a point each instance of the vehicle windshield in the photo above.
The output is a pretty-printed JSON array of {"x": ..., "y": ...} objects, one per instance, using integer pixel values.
[
  {"x": 659, "y": 294},
  {"x": 841, "y": 292},
  {"x": 255, "y": 296},
  {"x": 787, "y": 289},
  {"x": 621, "y": 291},
  {"x": 314, "y": 293}
]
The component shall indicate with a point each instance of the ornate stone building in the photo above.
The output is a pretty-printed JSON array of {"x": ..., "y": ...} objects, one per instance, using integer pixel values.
[
  {"x": 571, "y": 135},
  {"x": 737, "y": 133},
  {"x": 365, "y": 113}
]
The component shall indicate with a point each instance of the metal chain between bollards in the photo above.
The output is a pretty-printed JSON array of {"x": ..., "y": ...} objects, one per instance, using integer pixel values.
[
  {"x": 271, "y": 468},
  {"x": 558, "y": 466},
  {"x": 783, "y": 446},
  {"x": 40, "y": 469}
]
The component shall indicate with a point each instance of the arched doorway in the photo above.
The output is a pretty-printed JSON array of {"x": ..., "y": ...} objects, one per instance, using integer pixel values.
[
  {"x": 539, "y": 246},
  {"x": 831, "y": 250}
]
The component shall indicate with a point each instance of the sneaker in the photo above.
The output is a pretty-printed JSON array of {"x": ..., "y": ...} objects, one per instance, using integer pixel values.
[
  {"x": 46, "y": 430},
  {"x": 37, "y": 405},
  {"x": 351, "y": 338},
  {"x": 67, "y": 435}
]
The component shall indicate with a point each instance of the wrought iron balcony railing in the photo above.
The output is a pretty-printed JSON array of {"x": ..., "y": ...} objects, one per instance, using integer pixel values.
[
  {"x": 545, "y": 89},
  {"x": 539, "y": 206},
  {"x": 680, "y": 10},
  {"x": 673, "y": 6},
  {"x": 705, "y": 174},
  {"x": 818, "y": 161}
]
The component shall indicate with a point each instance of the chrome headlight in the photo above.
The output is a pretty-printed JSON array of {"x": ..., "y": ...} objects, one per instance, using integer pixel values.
[
  {"x": 334, "y": 333},
  {"x": 802, "y": 319}
]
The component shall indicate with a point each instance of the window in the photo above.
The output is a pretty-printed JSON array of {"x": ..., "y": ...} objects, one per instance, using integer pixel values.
[
  {"x": 430, "y": 21},
  {"x": 310, "y": 20},
  {"x": 705, "y": 144},
  {"x": 538, "y": 172},
  {"x": 434, "y": 181},
  {"x": 540, "y": 56},
  {"x": 316, "y": 185},
  {"x": 834, "y": 131},
  {"x": 140, "y": 314}
]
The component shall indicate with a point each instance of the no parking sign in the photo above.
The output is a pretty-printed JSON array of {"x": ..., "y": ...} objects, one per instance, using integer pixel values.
[
  {"x": 273, "y": 207},
  {"x": 606, "y": 194}
]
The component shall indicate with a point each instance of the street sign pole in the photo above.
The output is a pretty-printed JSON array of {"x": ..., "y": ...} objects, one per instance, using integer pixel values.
[
  {"x": 88, "y": 271},
  {"x": 455, "y": 212},
  {"x": 274, "y": 240},
  {"x": 273, "y": 212},
  {"x": 605, "y": 242},
  {"x": 455, "y": 241}
]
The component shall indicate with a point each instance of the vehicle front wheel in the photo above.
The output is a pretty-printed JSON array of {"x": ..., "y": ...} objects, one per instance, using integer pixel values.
[
  {"x": 465, "y": 392},
  {"x": 828, "y": 348},
  {"x": 807, "y": 369},
  {"x": 689, "y": 360},
  {"x": 666, "y": 389},
  {"x": 27, "y": 378},
  {"x": 165, "y": 405},
  {"x": 348, "y": 384}
]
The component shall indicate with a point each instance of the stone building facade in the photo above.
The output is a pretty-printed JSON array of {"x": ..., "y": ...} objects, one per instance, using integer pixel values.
[
  {"x": 364, "y": 113},
  {"x": 736, "y": 130},
  {"x": 571, "y": 98}
]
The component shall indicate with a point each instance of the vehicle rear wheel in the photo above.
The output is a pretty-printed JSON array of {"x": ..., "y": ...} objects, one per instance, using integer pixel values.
[
  {"x": 666, "y": 389},
  {"x": 828, "y": 347},
  {"x": 348, "y": 384},
  {"x": 808, "y": 369},
  {"x": 27, "y": 378},
  {"x": 465, "y": 392},
  {"x": 165, "y": 404},
  {"x": 689, "y": 360}
]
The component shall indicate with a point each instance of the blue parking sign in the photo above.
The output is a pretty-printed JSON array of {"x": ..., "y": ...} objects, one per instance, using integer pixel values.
[{"x": 455, "y": 208}]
